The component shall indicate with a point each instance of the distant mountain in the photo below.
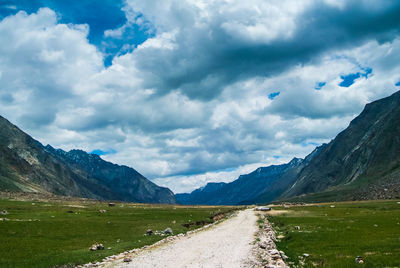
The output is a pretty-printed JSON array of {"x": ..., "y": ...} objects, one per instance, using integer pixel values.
[
  {"x": 286, "y": 180},
  {"x": 262, "y": 185},
  {"x": 199, "y": 196},
  {"x": 362, "y": 162},
  {"x": 26, "y": 165}
]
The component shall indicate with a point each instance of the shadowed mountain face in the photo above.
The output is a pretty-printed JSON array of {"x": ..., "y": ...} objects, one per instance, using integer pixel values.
[
  {"x": 26, "y": 165},
  {"x": 262, "y": 185},
  {"x": 201, "y": 195},
  {"x": 362, "y": 162}
]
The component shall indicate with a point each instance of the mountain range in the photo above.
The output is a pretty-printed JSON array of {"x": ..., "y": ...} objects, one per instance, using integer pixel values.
[
  {"x": 362, "y": 162},
  {"x": 28, "y": 166}
]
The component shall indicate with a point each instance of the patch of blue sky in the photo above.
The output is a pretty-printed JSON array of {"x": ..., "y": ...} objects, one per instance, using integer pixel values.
[
  {"x": 319, "y": 85},
  {"x": 367, "y": 72},
  {"x": 100, "y": 17},
  {"x": 348, "y": 80},
  {"x": 305, "y": 143},
  {"x": 100, "y": 152},
  {"x": 273, "y": 95},
  {"x": 230, "y": 169},
  {"x": 131, "y": 35},
  {"x": 397, "y": 84}
]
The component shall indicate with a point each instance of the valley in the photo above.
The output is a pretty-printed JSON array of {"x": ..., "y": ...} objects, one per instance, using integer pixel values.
[
  {"x": 305, "y": 235},
  {"x": 199, "y": 134},
  {"x": 54, "y": 203},
  {"x": 52, "y": 233}
]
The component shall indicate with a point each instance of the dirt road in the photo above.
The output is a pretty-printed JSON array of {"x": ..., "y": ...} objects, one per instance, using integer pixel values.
[{"x": 227, "y": 244}]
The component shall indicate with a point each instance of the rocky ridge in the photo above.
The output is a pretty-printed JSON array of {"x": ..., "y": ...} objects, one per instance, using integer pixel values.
[{"x": 28, "y": 166}]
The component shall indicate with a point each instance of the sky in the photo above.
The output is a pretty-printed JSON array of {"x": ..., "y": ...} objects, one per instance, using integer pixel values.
[{"x": 192, "y": 91}]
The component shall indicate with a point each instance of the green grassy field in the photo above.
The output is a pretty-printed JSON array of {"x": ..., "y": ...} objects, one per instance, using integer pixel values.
[
  {"x": 335, "y": 236},
  {"x": 51, "y": 234}
]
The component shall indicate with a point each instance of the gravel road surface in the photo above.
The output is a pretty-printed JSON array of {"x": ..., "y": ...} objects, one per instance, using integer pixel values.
[{"x": 227, "y": 244}]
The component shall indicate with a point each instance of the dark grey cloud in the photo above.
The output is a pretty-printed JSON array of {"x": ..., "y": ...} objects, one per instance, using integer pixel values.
[{"x": 207, "y": 58}]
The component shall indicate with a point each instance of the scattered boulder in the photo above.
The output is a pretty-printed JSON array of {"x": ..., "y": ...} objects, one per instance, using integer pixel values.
[
  {"x": 284, "y": 257},
  {"x": 306, "y": 255},
  {"x": 262, "y": 245},
  {"x": 111, "y": 204},
  {"x": 280, "y": 236},
  {"x": 274, "y": 251},
  {"x": 149, "y": 232},
  {"x": 70, "y": 211},
  {"x": 297, "y": 227},
  {"x": 4, "y": 212},
  {"x": 168, "y": 231},
  {"x": 262, "y": 209},
  {"x": 200, "y": 223},
  {"x": 218, "y": 216},
  {"x": 332, "y": 206},
  {"x": 127, "y": 259},
  {"x": 276, "y": 256},
  {"x": 97, "y": 246},
  {"x": 359, "y": 260},
  {"x": 102, "y": 211},
  {"x": 187, "y": 225}
]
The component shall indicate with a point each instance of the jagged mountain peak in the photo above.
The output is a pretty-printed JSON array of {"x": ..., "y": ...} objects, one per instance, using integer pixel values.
[{"x": 27, "y": 165}]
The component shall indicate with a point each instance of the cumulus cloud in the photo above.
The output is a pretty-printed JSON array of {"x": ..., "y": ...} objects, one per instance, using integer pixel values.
[
  {"x": 43, "y": 63},
  {"x": 217, "y": 89},
  {"x": 213, "y": 43}
]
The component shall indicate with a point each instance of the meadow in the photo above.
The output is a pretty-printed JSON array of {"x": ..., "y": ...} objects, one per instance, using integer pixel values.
[
  {"x": 334, "y": 234},
  {"x": 60, "y": 233}
]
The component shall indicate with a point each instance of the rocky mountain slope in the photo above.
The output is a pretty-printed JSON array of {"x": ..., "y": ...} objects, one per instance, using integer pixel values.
[
  {"x": 26, "y": 165},
  {"x": 262, "y": 185},
  {"x": 362, "y": 162}
]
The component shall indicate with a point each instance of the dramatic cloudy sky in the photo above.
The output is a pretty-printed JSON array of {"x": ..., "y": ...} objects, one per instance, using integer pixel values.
[{"x": 191, "y": 91}]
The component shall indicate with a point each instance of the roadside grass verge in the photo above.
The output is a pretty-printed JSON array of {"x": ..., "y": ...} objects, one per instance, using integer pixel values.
[
  {"x": 51, "y": 234},
  {"x": 335, "y": 236}
]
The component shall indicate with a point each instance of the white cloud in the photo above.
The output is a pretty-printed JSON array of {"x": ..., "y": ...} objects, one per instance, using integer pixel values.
[
  {"x": 43, "y": 65},
  {"x": 190, "y": 105}
]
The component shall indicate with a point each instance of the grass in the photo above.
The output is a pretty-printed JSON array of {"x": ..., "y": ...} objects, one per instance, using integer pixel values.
[
  {"x": 51, "y": 234},
  {"x": 335, "y": 236}
]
